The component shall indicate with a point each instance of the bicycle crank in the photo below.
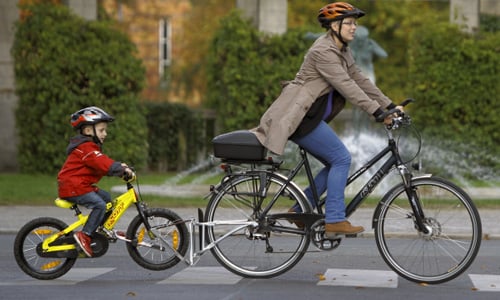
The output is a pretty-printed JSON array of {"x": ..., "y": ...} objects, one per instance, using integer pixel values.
[{"x": 317, "y": 235}]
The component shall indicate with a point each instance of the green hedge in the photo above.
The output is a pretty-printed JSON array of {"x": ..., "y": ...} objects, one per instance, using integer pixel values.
[
  {"x": 176, "y": 137},
  {"x": 245, "y": 70},
  {"x": 64, "y": 63},
  {"x": 455, "y": 79}
]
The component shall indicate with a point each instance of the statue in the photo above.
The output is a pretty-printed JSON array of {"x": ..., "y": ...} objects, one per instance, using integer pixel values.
[{"x": 364, "y": 49}]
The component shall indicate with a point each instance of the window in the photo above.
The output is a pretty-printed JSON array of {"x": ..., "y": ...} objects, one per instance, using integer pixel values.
[{"x": 165, "y": 45}]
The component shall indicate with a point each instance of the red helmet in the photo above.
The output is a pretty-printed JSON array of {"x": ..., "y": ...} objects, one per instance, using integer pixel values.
[
  {"x": 89, "y": 116},
  {"x": 337, "y": 11}
]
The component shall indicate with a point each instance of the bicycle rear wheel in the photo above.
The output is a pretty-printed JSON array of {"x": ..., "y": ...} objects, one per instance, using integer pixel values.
[
  {"x": 269, "y": 249},
  {"x": 454, "y": 234},
  {"x": 30, "y": 256}
]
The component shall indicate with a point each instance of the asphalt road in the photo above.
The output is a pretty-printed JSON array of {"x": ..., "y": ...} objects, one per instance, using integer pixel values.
[{"x": 355, "y": 270}]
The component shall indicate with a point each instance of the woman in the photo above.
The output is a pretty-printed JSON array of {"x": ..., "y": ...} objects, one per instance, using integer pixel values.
[{"x": 326, "y": 78}]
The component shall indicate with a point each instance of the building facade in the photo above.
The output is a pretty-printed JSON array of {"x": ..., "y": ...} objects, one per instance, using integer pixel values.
[{"x": 155, "y": 26}]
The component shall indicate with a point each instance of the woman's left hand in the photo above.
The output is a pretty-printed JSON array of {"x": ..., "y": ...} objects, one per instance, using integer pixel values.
[{"x": 388, "y": 119}]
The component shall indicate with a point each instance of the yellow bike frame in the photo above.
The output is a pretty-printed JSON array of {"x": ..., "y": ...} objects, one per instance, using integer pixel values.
[{"x": 121, "y": 203}]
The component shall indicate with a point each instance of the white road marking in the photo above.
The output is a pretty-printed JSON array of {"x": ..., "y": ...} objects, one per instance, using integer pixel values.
[
  {"x": 74, "y": 276},
  {"x": 202, "y": 275},
  {"x": 360, "y": 278},
  {"x": 487, "y": 283},
  {"x": 219, "y": 275}
]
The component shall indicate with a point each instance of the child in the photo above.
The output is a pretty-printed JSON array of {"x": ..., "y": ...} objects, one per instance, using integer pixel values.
[{"x": 85, "y": 166}]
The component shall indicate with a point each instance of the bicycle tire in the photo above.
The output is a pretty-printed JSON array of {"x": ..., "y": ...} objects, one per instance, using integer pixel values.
[
  {"x": 450, "y": 247},
  {"x": 170, "y": 233},
  {"x": 27, "y": 245},
  {"x": 267, "y": 250}
]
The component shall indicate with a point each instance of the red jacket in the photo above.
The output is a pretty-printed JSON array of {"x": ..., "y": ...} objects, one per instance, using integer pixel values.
[{"x": 84, "y": 167}]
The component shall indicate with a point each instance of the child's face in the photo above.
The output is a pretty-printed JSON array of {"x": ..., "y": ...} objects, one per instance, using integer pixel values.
[{"x": 100, "y": 130}]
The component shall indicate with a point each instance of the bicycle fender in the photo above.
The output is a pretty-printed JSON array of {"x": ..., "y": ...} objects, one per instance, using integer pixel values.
[
  {"x": 295, "y": 186},
  {"x": 215, "y": 189}
]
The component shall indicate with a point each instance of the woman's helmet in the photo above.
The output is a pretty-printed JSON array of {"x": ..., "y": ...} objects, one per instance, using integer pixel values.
[
  {"x": 89, "y": 116},
  {"x": 337, "y": 11}
]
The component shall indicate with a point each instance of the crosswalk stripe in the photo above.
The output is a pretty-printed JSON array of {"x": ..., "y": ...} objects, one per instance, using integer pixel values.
[
  {"x": 486, "y": 283},
  {"x": 359, "y": 278},
  {"x": 74, "y": 276},
  {"x": 221, "y": 276},
  {"x": 81, "y": 274},
  {"x": 202, "y": 275}
]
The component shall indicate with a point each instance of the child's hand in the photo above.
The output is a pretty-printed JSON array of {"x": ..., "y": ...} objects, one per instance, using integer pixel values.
[{"x": 128, "y": 173}]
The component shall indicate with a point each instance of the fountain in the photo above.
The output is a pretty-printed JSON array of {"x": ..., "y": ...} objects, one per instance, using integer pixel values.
[
  {"x": 363, "y": 145},
  {"x": 363, "y": 138}
]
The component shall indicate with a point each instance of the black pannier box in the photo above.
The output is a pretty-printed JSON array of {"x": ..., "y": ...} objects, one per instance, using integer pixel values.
[{"x": 238, "y": 145}]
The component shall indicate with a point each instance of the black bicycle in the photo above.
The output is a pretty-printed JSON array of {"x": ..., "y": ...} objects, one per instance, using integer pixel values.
[{"x": 426, "y": 228}]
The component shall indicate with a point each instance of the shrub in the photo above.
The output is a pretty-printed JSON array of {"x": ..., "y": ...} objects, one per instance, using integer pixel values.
[
  {"x": 175, "y": 136},
  {"x": 246, "y": 68},
  {"x": 455, "y": 79},
  {"x": 64, "y": 63}
]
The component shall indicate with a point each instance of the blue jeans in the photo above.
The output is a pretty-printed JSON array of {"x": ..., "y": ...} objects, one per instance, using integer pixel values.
[
  {"x": 324, "y": 144},
  {"x": 95, "y": 201}
]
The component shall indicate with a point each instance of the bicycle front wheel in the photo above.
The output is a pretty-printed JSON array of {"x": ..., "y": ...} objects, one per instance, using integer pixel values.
[
  {"x": 453, "y": 239},
  {"x": 162, "y": 249},
  {"x": 268, "y": 249}
]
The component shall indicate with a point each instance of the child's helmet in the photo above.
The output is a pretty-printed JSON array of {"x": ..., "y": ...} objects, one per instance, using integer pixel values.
[
  {"x": 89, "y": 116},
  {"x": 337, "y": 11}
]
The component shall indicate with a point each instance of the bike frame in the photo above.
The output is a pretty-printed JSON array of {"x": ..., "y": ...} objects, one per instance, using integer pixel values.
[
  {"x": 119, "y": 206},
  {"x": 394, "y": 160}
]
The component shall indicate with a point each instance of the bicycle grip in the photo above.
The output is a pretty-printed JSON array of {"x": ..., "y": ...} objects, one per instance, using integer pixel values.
[
  {"x": 384, "y": 115},
  {"x": 407, "y": 101}
]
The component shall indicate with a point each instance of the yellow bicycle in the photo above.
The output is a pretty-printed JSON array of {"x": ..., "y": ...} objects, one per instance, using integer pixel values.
[{"x": 45, "y": 249}]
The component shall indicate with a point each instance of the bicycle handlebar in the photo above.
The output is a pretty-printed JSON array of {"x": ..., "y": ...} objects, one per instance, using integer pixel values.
[
  {"x": 399, "y": 116},
  {"x": 129, "y": 178},
  {"x": 396, "y": 111}
]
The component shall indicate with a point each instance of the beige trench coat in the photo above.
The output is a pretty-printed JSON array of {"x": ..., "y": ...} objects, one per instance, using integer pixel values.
[{"x": 325, "y": 67}]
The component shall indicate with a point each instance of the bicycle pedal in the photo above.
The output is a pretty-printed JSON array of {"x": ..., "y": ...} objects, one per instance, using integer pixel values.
[{"x": 355, "y": 235}]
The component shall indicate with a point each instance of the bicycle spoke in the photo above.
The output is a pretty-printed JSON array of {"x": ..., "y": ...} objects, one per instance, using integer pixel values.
[
  {"x": 165, "y": 247},
  {"x": 265, "y": 250}
]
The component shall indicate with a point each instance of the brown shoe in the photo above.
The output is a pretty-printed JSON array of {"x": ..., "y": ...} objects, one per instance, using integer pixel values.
[
  {"x": 344, "y": 227},
  {"x": 297, "y": 223},
  {"x": 84, "y": 241}
]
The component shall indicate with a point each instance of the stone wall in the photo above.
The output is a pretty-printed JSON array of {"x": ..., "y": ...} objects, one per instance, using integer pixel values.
[
  {"x": 8, "y": 142},
  {"x": 268, "y": 15}
]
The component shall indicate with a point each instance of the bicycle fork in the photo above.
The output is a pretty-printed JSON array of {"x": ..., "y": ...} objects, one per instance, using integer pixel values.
[{"x": 415, "y": 204}]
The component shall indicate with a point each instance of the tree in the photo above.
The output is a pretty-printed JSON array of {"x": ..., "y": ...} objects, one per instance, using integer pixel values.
[{"x": 188, "y": 71}]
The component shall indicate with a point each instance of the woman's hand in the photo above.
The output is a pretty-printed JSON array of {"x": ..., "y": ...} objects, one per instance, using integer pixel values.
[{"x": 388, "y": 119}]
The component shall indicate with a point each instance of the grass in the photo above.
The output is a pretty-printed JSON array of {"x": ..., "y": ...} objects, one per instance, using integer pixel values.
[{"x": 41, "y": 190}]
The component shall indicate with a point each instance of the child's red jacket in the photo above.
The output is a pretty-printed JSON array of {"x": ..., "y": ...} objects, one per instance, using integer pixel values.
[{"x": 84, "y": 167}]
